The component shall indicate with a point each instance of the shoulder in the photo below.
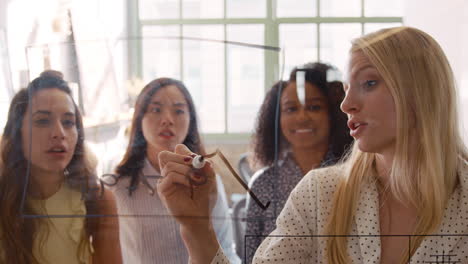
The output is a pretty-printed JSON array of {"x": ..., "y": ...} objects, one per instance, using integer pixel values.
[
  {"x": 263, "y": 176},
  {"x": 122, "y": 182},
  {"x": 260, "y": 176},
  {"x": 463, "y": 173},
  {"x": 322, "y": 181}
]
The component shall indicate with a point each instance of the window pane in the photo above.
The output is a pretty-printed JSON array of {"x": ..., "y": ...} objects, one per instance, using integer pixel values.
[
  {"x": 203, "y": 9},
  {"x": 298, "y": 48},
  {"x": 375, "y": 8},
  {"x": 204, "y": 75},
  {"x": 336, "y": 8},
  {"x": 296, "y": 8},
  {"x": 371, "y": 27},
  {"x": 335, "y": 41},
  {"x": 246, "y": 74},
  {"x": 246, "y": 8},
  {"x": 161, "y": 56},
  {"x": 158, "y": 9}
]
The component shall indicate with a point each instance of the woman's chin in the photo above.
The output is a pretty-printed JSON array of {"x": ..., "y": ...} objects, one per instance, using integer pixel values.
[{"x": 52, "y": 168}]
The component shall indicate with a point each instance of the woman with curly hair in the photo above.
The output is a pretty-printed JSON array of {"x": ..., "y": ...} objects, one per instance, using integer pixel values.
[{"x": 311, "y": 135}]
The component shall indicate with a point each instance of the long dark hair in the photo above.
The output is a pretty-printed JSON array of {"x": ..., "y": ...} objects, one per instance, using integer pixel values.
[
  {"x": 315, "y": 73},
  {"x": 133, "y": 160},
  {"x": 18, "y": 233}
]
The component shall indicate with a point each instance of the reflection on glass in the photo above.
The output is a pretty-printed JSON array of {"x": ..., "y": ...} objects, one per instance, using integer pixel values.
[
  {"x": 246, "y": 75},
  {"x": 335, "y": 41},
  {"x": 202, "y": 9},
  {"x": 246, "y": 8},
  {"x": 158, "y": 9},
  {"x": 371, "y": 27},
  {"x": 296, "y": 8},
  {"x": 300, "y": 45},
  {"x": 204, "y": 74},
  {"x": 161, "y": 57},
  {"x": 375, "y": 8},
  {"x": 343, "y": 8}
]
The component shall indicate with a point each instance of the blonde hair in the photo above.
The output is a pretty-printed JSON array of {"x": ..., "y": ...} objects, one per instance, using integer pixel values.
[{"x": 424, "y": 173}]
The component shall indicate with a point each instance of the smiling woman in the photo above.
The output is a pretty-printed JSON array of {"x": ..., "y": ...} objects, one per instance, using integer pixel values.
[{"x": 313, "y": 133}]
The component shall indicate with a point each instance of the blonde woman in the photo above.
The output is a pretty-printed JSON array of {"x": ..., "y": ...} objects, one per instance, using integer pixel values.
[{"x": 402, "y": 194}]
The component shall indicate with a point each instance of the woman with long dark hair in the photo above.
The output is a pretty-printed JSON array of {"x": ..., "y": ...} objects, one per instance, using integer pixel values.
[
  {"x": 164, "y": 117},
  {"x": 47, "y": 184}
]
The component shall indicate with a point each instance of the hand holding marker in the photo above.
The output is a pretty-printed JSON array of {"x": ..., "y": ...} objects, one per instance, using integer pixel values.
[{"x": 199, "y": 161}]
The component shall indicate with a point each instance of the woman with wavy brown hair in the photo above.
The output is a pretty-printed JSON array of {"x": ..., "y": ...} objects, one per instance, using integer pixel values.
[{"x": 47, "y": 184}]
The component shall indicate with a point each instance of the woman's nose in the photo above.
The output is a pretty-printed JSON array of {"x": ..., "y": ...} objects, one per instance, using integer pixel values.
[
  {"x": 349, "y": 103},
  {"x": 302, "y": 114},
  {"x": 167, "y": 118},
  {"x": 58, "y": 131}
]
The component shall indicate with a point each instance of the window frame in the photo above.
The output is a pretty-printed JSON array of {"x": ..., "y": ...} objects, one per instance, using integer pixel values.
[{"x": 271, "y": 37}]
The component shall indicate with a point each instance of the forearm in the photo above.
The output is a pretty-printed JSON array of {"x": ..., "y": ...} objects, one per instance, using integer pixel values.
[{"x": 201, "y": 243}]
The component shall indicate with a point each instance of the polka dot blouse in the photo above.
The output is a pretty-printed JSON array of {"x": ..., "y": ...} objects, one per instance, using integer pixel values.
[
  {"x": 307, "y": 210},
  {"x": 275, "y": 186}
]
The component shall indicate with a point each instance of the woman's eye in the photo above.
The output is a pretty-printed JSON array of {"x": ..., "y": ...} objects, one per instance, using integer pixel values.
[
  {"x": 42, "y": 121},
  {"x": 180, "y": 111},
  {"x": 155, "y": 110},
  {"x": 369, "y": 83},
  {"x": 290, "y": 109},
  {"x": 314, "y": 107},
  {"x": 68, "y": 123}
]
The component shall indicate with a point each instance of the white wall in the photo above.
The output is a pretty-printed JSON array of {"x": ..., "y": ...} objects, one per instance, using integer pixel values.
[{"x": 447, "y": 22}]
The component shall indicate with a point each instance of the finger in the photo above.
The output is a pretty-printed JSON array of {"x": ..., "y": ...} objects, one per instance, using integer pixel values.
[
  {"x": 183, "y": 150},
  {"x": 166, "y": 156},
  {"x": 198, "y": 179},
  {"x": 171, "y": 181},
  {"x": 207, "y": 170},
  {"x": 183, "y": 169}
]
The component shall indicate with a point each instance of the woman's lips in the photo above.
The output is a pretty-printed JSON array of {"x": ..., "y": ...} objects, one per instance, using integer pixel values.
[
  {"x": 166, "y": 134},
  {"x": 303, "y": 131},
  {"x": 56, "y": 153},
  {"x": 357, "y": 129}
]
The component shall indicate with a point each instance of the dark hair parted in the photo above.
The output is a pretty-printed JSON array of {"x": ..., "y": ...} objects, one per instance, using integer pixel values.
[
  {"x": 17, "y": 233},
  {"x": 316, "y": 74},
  {"x": 133, "y": 160}
]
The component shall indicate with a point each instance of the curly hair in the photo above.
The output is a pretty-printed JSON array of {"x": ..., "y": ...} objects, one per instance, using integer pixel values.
[{"x": 264, "y": 139}]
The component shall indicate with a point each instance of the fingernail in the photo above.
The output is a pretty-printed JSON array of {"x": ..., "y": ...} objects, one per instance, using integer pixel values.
[{"x": 187, "y": 159}]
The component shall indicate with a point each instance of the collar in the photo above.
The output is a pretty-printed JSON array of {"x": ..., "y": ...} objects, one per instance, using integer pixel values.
[{"x": 148, "y": 169}]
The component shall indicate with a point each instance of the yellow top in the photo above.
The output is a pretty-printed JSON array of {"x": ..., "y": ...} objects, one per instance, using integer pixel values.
[{"x": 59, "y": 241}]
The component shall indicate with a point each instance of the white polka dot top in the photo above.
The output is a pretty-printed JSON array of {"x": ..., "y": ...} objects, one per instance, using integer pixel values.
[{"x": 306, "y": 212}]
